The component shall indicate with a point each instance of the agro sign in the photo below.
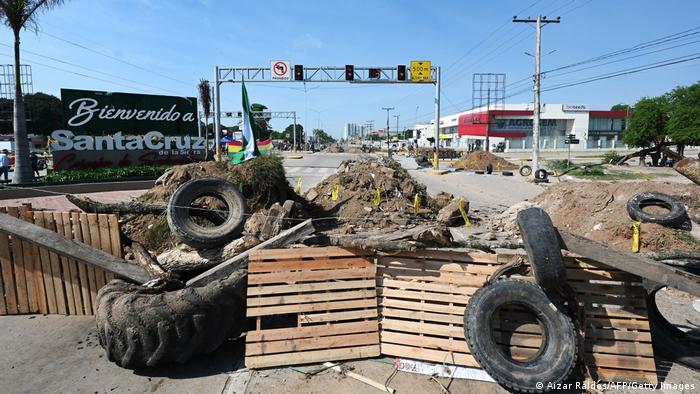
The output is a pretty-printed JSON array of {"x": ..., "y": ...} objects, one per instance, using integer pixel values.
[
  {"x": 420, "y": 71},
  {"x": 279, "y": 70},
  {"x": 97, "y": 113}
]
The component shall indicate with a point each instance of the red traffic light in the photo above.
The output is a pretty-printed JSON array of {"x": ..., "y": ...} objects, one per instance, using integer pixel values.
[
  {"x": 401, "y": 72},
  {"x": 349, "y": 72},
  {"x": 375, "y": 73}
]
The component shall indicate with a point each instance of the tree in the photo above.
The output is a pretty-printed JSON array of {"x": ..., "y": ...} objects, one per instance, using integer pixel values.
[
  {"x": 262, "y": 123},
  {"x": 621, "y": 107},
  {"x": 17, "y": 14},
  {"x": 289, "y": 131},
  {"x": 46, "y": 113},
  {"x": 684, "y": 115},
  {"x": 205, "y": 101},
  {"x": 322, "y": 137},
  {"x": 647, "y": 124}
]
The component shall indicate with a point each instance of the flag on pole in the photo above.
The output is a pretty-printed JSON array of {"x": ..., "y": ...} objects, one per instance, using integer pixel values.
[{"x": 249, "y": 133}]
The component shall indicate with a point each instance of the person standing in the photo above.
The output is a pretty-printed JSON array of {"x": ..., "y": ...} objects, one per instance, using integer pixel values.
[
  {"x": 34, "y": 159},
  {"x": 4, "y": 163}
]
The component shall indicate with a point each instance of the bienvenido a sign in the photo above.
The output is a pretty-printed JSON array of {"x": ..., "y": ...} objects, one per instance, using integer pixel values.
[{"x": 104, "y": 129}]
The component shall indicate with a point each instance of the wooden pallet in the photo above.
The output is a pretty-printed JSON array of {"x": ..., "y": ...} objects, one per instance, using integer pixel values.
[
  {"x": 310, "y": 305},
  {"x": 423, "y": 295},
  {"x": 34, "y": 280}
]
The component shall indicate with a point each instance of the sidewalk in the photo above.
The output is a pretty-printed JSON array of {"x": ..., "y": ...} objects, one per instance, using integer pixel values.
[{"x": 60, "y": 203}]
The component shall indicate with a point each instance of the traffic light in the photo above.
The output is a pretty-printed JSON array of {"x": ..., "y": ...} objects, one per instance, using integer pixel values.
[
  {"x": 298, "y": 72},
  {"x": 349, "y": 72},
  {"x": 401, "y": 72},
  {"x": 374, "y": 73}
]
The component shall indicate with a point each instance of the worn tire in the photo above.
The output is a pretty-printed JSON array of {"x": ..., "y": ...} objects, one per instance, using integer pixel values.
[
  {"x": 669, "y": 342},
  {"x": 525, "y": 170},
  {"x": 676, "y": 210},
  {"x": 541, "y": 174},
  {"x": 479, "y": 172},
  {"x": 507, "y": 173},
  {"x": 192, "y": 234},
  {"x": 488, "y": 169},
  {"x": 541, "y": 243},
  {"x": 148, "y": 330},
  {"x": 558, "y": 354}
]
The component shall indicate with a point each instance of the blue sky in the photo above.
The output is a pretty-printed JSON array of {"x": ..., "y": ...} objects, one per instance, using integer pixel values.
[{"x": 175, "y": 43}]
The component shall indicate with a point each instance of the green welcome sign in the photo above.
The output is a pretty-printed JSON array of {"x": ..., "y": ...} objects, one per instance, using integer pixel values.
[{"x": 90, "y": 112}]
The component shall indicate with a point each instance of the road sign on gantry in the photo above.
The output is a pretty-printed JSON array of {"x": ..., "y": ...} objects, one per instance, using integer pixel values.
[
  {"x": 280, "y": 71},
  {"x": 420, "y": 71}
]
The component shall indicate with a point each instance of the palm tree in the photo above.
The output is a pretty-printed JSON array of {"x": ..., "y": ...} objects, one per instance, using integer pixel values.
[
  {"x": 205, "y": 99},
  {"x": 18, "y": 14}
]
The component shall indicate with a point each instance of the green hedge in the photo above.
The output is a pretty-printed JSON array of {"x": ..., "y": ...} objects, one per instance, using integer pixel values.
[{"x": 96, "y": 174}]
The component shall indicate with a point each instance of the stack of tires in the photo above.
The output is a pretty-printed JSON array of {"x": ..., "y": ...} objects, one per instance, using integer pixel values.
[{"x": 542, "y": 297}]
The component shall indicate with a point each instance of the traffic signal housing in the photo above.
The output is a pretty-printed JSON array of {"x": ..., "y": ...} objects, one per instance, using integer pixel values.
[
  {"x": 401, "y": 72},
  {"x": 349, "y": 72},
  {"x": 374, "y": 73},
  {"x": 298, "y": 72}
]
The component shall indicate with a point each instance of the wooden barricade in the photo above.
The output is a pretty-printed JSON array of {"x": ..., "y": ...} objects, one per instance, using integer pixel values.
[
  {"x": 34, "y": 280},
  {"x": 310, "y": 305},
  {"x": 422, "y": 297}
]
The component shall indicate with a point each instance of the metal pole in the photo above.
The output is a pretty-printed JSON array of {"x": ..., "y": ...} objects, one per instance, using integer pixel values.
[
  {"x": 436, "y": 158},
  {"x": 488, "y": 120},
  {"x": 536, "y": 114},
  {"x": 387, "y": 109},
  {"x": 217, "y": 125},
  {"x": 397, "y": 124},
  {"x": 294, "y": 132}
]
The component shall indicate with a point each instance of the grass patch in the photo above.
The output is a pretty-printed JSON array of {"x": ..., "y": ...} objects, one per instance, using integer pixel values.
[
  {"x": 687, "y": 238},
  {"x": 262, "y": 181},
  {"x": 610, "y": 175},
  {"x": 97, "y": 174},
  {"x": 611, "y": 157},
  {"x": 157, "y": 234}
]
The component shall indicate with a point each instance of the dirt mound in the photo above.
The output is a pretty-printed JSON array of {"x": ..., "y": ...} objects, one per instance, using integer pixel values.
[
  {"x": 334, "y": 149},
  {"x": 477, "y": 160},
  {"x": 598, "y": 210},
  {"x": 357, "y": 187}
]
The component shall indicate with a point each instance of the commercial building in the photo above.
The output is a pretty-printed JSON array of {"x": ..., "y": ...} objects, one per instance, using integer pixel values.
[
  {"x": 512, "y": 125},
  {"x": 353, "y": 131}
]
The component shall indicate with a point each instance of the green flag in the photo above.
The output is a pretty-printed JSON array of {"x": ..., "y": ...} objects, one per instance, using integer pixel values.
[{"x": 250, "y": 135}]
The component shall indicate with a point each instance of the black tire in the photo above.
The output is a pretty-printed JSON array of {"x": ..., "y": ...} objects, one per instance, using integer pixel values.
[
  {"x": 507, "y": 173},
  {"x": 488, "y": 169},
  {"x": 479, "y": 172},
  {"x": 188, "y": 231},
  {"x": 558, "y": 354},
  {"x": 541, "y": 174},
  {"x": 676, "y": 214},
  {"x": 525, "y": 170},
  {"x": 670, "y": 342},
  {"x": 541, "y": 243},
  {"x": 147, "y": 330}
]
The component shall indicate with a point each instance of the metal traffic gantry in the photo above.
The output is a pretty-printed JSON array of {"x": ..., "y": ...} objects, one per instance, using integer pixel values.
[{"x": 421, "y": 72}]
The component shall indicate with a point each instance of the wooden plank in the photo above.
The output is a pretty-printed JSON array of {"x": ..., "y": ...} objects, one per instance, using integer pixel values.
[
  {"x": 314, "y": 356},
  {"x": 620, "y": 361},
  {"x": 308, "y": 276},
  {"x": 71, "y": 267},
  {"x": 65, "y": 263},
  {"x": 422, "y": 286},
  {"x": 105, "y": 245},
  {"x": 619, "y": 347},
  {"x": 86, "y": 226},
  {"x": 418, "y": 295},
  {"x": 618, "y": 335},
  {"x": 227, "y": 267},
  {"x": 309, "y": 287},
  {"x": 420, "y": 315},
  {"x": 422, "y": 341},
  {"x": 311, "y": 331},
  {"x": 625, "y": 289},
  {"x": 29, "y": 255},
  {"x": 633, "y": 263},
  {"x": 313, "y": 307},
  {"x": 438, "y": 356},
  {"x": 431, "y": 265},
  {"x": 298, "y": 253},
  {"x": 450, "y": 256},
  {"x": 8, "y": 278},
  {"x": 96, "y": 242},
  {"x": 308, "y": 318},
  {"x": 255, "y": 267},
  {"x": 302, "y": 344},
  {"x": 420, "y": 306},
  {"x": 115, "y": 239},
  {"x": 628, "y": 324},
  {"x": 67, "y": 247},
  {"x": 56, "y": 272},
  {"x": 439, "y": 277},
  {"x": 82, "y": 267},
  {"x": 18, "y": 269},
  {"x": 623, "y": 375},
  {"x": 425, "y": 328},
  {"x": 314, "y": 297},
  {"x": 41, "y": 258}
]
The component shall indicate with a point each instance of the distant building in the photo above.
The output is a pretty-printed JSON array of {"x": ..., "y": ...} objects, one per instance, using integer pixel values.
[
  {"x": 353, "y": 131},
  {"x": 512, "y": 125}
]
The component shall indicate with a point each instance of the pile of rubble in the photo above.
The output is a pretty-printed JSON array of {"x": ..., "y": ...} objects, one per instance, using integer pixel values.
[
  {"x": 478, "y": 160},
  {"x": 352, "y": 194}
]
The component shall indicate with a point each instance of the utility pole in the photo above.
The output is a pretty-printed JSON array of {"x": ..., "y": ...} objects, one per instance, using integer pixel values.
[
  {"x": 387, "y": 109},
  {"x": 541, "y": 20},
  {"x": 370, "y": 129},
  {"x": 397, "y": 124}
]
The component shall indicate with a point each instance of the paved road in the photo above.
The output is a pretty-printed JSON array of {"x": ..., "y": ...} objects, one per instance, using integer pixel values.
[{"x": 313, "y": 167}]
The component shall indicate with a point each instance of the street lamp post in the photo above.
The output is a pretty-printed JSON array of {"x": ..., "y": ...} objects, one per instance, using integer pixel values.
[{"x": 387, "y": 109}]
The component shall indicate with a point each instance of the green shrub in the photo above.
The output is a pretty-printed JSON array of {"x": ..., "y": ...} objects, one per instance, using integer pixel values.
[
  {"x": 96, "y": 174},
  {"x": 157, "y": 234},
  {"x": 559, "y": 165},
  {"x": 611, "y": 157}
]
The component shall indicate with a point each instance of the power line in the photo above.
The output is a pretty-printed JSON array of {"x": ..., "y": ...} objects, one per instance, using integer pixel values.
[{"x": 114, "y": 58}]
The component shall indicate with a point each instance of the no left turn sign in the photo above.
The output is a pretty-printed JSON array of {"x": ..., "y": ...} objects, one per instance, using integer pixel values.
[{"x": 279, "y": 70}]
